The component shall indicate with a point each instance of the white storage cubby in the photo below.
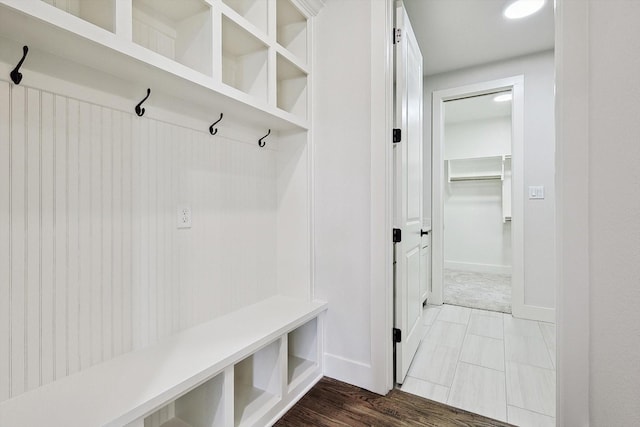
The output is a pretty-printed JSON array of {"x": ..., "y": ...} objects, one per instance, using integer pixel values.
[
  {"x": 257, "y": 384},
  {"x": 234, "y": 54},
  {"x": 254, "y": 11},
  {"x": 291, "y": 87},
  {"x": 179, "y": 30},
  {"x": 201, "y": 407},
  {"x": 244, "y": 60},
  {"x": 97, "y": 12},
  {"x": 302, "y": 352},
  {"x": 291, "y": 29}
]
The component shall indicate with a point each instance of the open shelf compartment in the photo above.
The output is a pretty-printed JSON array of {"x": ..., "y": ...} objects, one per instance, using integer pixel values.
[
  {"x": 291, "y": 29},
  {"x": 291, "y": 87},
  {"x": 254, "y": 11},
  {"x": 302, "y": 352},
  {"x": 98, "y": 12},
  {"x": 476, "y": 169},
  {"x": 257, "y": 384},
  {"x": 201, "y": 407},
  {"x": 180, "y": 30},
  {"x": 244, "y": 60}
]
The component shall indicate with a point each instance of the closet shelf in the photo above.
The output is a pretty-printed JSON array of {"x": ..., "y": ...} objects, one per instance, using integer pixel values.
[
  {"x": 48, "y": 30},
  {"x": 476, "y": 168}
]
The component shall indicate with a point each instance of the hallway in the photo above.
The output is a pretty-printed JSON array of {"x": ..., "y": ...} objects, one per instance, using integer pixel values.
[{"x": 488, "y": 363}]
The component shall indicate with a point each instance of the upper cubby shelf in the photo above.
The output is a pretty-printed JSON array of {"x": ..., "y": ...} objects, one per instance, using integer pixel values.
[
  {"x": 235, "y": 56},
  {"x": 291, "y": 29},
  {"x": 97, "y": 12},
  {"x": 181, "y": 31},
  {"x": 254, "y": 11},
  {"x": 292, "y": 87},
  {"x": 244, "y": 61}
]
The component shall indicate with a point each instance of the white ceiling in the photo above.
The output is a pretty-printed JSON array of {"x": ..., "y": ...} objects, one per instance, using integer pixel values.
[
  {"x": 455, "y": 34},
  {"x": 476, "y": 108}
]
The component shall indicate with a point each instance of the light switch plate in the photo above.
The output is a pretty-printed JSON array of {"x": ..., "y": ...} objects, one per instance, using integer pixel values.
[
  {"x": 536, "y": 192},
  {"x": 184, "y": 217}
]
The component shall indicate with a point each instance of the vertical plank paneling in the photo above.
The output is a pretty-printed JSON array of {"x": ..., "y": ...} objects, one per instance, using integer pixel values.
[
  {"x": 175, "y": 185},
  {"x": 96, "y": 279},
  {"x": 117, "y": 235},
  {"x": 33, "y": 302},
  {"x": 161, "y": 227},
  {"x": 73, "y": 319},
  {"x": 138, "y": 276},
  {"x": 91, "y": 262},
  {"x": 106, "y": 234},
  {"x": 127, "y": 240},
  {"x": 18, "y": 240},
  {"x": 61, "y": 237},
  {"x": 152, "y": 230},
  {"x": 85, "y": 320},
  {"x": 5, "y": 240},
  {"x": 47, "y": 246}
]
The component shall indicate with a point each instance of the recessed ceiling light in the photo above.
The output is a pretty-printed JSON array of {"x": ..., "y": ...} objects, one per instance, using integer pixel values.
[
  {"x": 521, "y": 8},
  {"x": 503, "y": 97}
]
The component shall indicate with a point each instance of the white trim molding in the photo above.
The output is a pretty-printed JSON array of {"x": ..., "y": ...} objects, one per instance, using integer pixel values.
[
  {"x": 381, "y": 269},
  {"x": 516, "y": 84},
  {"x": 572, "y": 213},
  {"x": 311, "y": 7}
]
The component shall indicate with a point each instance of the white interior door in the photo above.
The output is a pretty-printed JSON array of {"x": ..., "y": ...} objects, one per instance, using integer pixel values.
[{"x": 408, "y": 194}]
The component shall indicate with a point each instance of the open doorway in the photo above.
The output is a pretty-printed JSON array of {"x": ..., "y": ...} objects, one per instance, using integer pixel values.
[
  {"x": 477, "y": 201},
  {"x": 491, "y": 362}
]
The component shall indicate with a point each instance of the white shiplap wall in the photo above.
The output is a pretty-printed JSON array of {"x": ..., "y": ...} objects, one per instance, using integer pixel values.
[{"x": 91, "y": 261}]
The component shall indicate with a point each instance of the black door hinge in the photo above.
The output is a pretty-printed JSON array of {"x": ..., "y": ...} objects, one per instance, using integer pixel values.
[
  {"x": 397, "y": 135},
  {"x": 397, "y": 335},
  {"x": 397, "y": 235},
  {"x": 397, "y": 35}
]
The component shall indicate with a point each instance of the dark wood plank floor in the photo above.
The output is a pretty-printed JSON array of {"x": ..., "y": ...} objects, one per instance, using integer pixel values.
[{"x": 333, "y": 403}]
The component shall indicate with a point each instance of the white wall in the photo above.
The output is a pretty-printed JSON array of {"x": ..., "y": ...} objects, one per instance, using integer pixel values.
[
  {"x": 477, "y": 138},
  {"x": 614, "y": 212},
  {"x": 352, "y": 217},
  {"x": 539, "y": 148},
  {"x": 599, "y": 213},
  {"x": 475, "y": 237}
]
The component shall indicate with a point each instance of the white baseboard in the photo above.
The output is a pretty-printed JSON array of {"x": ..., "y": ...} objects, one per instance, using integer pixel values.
[
  {"x": 477, "y": 268},
  {"x": 349, "y": 371},
  {"x": 532, "y": 312}
]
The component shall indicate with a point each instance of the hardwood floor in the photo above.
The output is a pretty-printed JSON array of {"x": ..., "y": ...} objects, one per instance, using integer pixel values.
[{"x": 333, "y": 403}]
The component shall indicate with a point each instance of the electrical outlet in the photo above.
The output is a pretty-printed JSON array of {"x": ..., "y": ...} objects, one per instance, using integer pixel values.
[
  {"x": 536, "y": 192},
  {"x": 184, "y": 217}
]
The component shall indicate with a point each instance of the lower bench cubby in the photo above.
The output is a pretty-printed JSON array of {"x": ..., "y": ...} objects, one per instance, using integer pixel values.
[
  {"x": 257, "y": 384},
  {"x": 302, "y": 352},
  {"x": 201, "y": 407},
  {"x": 243, "y": 369}
]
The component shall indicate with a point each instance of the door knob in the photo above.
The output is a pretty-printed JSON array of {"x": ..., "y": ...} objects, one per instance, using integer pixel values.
[{"x": 422, "y": 233}]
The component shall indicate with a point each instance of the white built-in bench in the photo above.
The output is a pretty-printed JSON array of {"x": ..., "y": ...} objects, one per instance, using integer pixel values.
[{"x": 242, "y": 369}]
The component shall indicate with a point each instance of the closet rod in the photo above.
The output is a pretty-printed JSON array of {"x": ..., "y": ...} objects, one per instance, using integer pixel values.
[{"x": 477, "y": 178}]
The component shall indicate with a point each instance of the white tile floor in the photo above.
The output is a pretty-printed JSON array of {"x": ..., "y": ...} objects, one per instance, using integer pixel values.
[{"x": 488, "y": 363}]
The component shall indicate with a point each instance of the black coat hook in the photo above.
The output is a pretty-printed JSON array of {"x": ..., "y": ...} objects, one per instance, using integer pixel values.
[
  {"x": 211, "y": 130},
  {"x": 16, "y": 75},
  {"x": 139, "y": 109},
  {"x": 261, "y": 142}
]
